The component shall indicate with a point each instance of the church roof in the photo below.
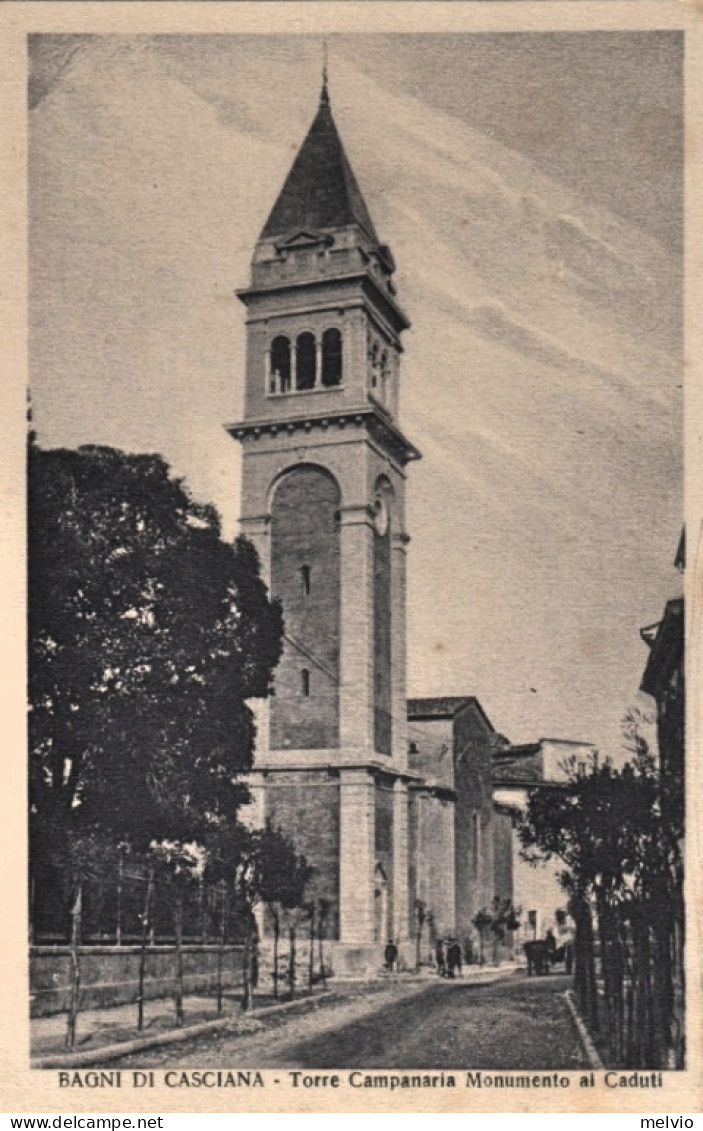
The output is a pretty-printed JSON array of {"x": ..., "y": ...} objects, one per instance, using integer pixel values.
[
  {"x": 440, "y": 707},
  {"x": 518, "y": 764},
  {"x": 320, "y": 190}
]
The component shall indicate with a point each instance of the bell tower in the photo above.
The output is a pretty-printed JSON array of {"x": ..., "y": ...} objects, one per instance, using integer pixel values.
[{"x": 323, "y": 484}]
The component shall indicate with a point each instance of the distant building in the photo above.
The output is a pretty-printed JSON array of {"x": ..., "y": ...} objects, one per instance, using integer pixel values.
[
  {"x": 516, "y": 770},
  {"x": 664, "y": 679},
  {"x": 460, "y": 847}
]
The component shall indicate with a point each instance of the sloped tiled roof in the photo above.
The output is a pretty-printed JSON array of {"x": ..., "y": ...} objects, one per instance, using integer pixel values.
[
  {"x": 526, "y": 770},
  {"x": 518, "y": 764},
  {"x": 320, "y": 190},
  {"x": 440, "y": 707}
]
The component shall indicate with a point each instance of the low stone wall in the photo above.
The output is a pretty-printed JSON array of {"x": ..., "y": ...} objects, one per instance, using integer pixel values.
[
  {"x": 341, "y": 961},
  {"x": 110, "y": 974}
]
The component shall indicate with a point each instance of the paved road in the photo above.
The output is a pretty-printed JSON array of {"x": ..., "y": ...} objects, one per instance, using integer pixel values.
[{"x": 518, "y": 1023}]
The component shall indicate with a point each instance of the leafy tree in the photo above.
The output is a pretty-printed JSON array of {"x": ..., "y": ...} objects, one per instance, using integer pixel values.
[
  {"x": 324, "y": 906},
  {"x": 147, "y": 635},
  {"x": 177, "y": 868},
  {"x": 620, "y": 859},
  {"x": 500, "y": 918},
  {"x": 420, "y": 917},
  {"x": 482, "y": 921},
  {"x": 283, "y": 877},
  {"x": 232, "y": 859},
  {"x": 258, "y": 866}
]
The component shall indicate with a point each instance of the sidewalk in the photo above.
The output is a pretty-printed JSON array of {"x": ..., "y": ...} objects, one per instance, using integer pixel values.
[{"x": 112, "y": 1031}]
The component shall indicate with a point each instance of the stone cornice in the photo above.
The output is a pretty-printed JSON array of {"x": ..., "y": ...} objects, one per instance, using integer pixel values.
[
  {"x": 368, "y": 281},
  {"x": 378, "y": 424},
  {"x": 334, "y": 769},
  {"x": 434, "y": 789}
]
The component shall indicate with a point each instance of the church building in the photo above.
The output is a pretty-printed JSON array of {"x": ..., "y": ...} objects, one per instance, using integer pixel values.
[{"x": 323, "y": 500}]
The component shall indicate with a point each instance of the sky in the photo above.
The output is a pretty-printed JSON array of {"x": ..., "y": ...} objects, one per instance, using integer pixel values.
[{"x": 530, "y": 186}]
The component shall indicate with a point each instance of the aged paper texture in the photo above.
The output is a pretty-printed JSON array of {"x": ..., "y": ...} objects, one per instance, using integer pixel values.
[{"x": 515, "y": 191}]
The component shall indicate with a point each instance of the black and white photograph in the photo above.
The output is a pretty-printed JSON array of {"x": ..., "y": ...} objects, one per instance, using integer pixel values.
[{"x": 356, "y": 559}]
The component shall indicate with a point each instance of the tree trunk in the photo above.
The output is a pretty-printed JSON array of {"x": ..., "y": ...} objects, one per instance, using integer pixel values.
[
  {"x": 321, "y": 951},
  {"x": 203, "y": 915},
  {"x": 276, "y": 937},
  {"x": 584, "y": 963},
  {"x": 76, "y": 914},
  {"x": 612, "y": 970},
  {"x": 178, "y": 925},
  {"x": 32, "y": 908},
  {"x": 311, "y": 955},
  {"x": 120, "y": 878},
  {"x": 678, "y": 1032},
  {"x": 221, "y": 949},
  {"x": 246, "y": 998},
  {"x": 291, "y": 963},
  {"x": 146, "y": 927},
  {"x": 418, "y": 942}
]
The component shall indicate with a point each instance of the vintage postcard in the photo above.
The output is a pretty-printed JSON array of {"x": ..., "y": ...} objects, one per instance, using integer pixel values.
[{"x": 361, "y": 467}]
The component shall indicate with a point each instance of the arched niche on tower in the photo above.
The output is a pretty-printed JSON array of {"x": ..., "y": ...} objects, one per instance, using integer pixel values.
[{"x": 305, "y": 576}]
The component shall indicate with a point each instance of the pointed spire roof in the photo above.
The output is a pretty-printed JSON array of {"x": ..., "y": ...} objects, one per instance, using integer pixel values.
[{"x": 320, "y": 190}]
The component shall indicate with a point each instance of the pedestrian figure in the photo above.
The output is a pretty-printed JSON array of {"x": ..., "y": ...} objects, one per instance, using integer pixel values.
[
  {"x": 451, "y": 959},
  {"x": 391, "y": 955},
  {"x": 439, "y": 958},
  {"x": 454, "y": 958},
  {"x": 551, "y": 948}
]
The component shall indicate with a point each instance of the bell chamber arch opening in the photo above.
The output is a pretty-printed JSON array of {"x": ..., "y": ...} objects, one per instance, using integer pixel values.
[
  {"x": 305, "y": 545},
  {"x": 280, "y": 365},
  {"x": 331, "y": 357},
  {"x": 305, "y": 361}
]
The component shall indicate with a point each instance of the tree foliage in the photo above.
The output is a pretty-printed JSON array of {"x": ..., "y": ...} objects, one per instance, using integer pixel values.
[
  {"x": 147, "y": 635},
  {"x": 258, "y": 866},
  {"x": 606, "y": 827},
  {"x": 622, "y": 871}
]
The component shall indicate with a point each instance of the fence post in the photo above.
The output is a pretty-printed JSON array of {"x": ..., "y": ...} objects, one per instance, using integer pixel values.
[
  {"x": 75, "y": 967},
  {"x": 221, "y": 948},
  {"x": 32, "y": 901},
  {"x": 311, "y": 956},
  {"x": 246, "y": 964},
  {"x": 178, "y": 923},
  {"x": 146, "y": 918},
  {"x": 321, "y": 924},
  {"x": 291, "y": 962},
  {"x": 120, "y": 877}
]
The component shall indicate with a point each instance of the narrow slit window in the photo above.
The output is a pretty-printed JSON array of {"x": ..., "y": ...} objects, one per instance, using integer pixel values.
[
  {"x": 305, "y": 683},
  {"x": 305, "y": 580}
]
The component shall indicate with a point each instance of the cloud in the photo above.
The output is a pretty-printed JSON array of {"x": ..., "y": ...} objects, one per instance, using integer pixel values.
[{"x": 538, "y": 376}]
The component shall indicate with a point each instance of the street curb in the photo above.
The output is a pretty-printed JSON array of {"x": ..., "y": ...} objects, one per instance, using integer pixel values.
[
  {"x": 592, "y": 1054},
  {"x": 175, "y": 1036},
  {"x": 171, "y": 1036}
]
